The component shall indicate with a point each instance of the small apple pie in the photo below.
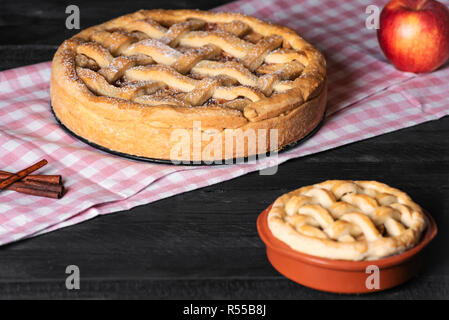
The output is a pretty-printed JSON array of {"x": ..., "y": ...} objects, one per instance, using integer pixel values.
[
  {"x": 151, "y": 82},
  {"x": 347, "y": 220}
]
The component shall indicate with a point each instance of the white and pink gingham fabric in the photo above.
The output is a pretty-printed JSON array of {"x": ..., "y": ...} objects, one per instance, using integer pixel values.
[{"x": 367, "y": 97}]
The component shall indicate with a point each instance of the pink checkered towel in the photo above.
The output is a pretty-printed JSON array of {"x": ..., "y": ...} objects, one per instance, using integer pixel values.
[{"x": 367, "y": 97}]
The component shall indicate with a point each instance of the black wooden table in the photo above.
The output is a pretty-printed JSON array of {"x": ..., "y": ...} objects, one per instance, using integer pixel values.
[{"x": 204, "y": 243}]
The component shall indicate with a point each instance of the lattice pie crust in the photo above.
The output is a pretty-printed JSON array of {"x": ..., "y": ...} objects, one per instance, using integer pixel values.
[
  {"x": 347, "y": 220},
  {"x": 127, "y": 84}
]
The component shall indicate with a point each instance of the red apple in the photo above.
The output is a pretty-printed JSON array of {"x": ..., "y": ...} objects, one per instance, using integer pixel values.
[{"x": 414, "y": 34}]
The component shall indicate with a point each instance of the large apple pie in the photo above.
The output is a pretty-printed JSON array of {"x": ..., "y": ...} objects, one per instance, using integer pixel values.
[
  {"x": 347, "y": 220},
  {"x": 151, "y": 82}
]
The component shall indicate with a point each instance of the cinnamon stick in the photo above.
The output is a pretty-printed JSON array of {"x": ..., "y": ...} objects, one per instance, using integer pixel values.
[
  {"x": 53, "y": 179},
  {"x": 35, "y": 192},
  {"x": 49, "y": 186},
  {"x": 21, "y": 174},
  {"x": 40, "y": 185}
]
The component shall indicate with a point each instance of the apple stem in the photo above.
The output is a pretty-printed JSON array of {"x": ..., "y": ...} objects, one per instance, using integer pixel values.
[{"x": 421, "y": 4}]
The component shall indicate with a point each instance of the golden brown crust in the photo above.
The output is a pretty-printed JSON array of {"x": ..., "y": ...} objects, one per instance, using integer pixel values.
[
  {"x": 347, "y": 220},
  {"x": 132, "y": 118}
]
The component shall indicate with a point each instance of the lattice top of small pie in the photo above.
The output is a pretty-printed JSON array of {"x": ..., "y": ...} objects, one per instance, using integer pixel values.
[
  {"x": 347, "y": 220},
  {"x": 194, "y": 61}
]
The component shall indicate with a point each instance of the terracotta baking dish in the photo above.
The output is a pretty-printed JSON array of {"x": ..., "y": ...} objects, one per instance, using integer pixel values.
[{"x": 338, "y": 275}]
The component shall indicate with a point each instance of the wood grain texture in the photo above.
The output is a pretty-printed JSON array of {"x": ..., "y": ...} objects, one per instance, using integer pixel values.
[{"x": 204, "y": 243}]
